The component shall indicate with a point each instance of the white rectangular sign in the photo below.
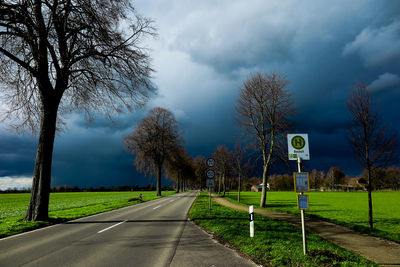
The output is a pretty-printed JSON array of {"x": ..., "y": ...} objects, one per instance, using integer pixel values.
[
  {"x": 301, "y": 181},
  {"x": 302, "y": 201},
  {"x": 298, "y": 146},
  {"x": 210, "y": 182}
]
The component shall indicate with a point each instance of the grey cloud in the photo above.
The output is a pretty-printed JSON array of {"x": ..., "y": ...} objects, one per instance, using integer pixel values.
[
  {"x": 15, "y": 182},
  {"x": 385, "y": 81},
  {"x": 376, "y": 46}
]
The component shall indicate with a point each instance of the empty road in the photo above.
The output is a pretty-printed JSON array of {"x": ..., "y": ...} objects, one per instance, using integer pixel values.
[{"x": 155, "y": 233}]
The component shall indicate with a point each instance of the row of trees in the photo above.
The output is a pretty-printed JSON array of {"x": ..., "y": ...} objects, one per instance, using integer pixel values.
[
  {"x": 158, "y": 148},
  {"x": 335, "y": 178},
  {"x": 263, "y": 111}
]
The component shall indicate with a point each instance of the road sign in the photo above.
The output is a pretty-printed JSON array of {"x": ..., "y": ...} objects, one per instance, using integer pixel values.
[
  {"x": 302, "y": 202},
  {"x": 301, "y": 181},
  {"x": 210, "y": 183},
  {"x": 210, "y": 162},
  {"x": 298, "y": 146},
  {"x": 210, "y": 174}
]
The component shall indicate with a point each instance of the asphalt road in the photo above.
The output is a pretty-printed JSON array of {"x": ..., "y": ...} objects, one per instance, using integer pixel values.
[{"x": 154, "y": 233}]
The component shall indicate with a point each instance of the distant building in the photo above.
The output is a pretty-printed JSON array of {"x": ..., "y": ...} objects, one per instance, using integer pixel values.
[
  {"x": 352, "y": 184},
  {"x": 258, "y": 188}
]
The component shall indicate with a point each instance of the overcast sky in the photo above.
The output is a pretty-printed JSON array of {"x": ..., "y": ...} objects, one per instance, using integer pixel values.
[{"x": 203, "y": 53}]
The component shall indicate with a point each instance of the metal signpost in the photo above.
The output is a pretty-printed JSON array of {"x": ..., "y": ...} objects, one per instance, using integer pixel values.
[
  {"x": 298, "y": 149},
  {"x": 210, "y": 181}
]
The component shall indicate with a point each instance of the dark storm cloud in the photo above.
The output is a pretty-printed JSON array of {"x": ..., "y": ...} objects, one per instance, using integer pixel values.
[
  {"x": 16, "y": 154},
  {"x": 385, "y": 81},
  {"x": 376, "y": 46}
]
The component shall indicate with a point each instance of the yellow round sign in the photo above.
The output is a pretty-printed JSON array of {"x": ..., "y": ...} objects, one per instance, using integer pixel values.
[{"x": 298, "y": 142}]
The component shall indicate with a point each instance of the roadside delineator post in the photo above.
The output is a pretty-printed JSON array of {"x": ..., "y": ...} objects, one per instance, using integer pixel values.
[{"x": 251, "y": 214}]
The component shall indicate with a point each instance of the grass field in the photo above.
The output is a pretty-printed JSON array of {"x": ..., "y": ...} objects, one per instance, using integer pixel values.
[
  {"x": 346, "y": 208},
  {"x": 276, "y": 243},
  {"x": 64, "y": 206}
]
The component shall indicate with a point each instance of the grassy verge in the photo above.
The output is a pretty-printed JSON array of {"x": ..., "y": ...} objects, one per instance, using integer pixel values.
[
  {"x": 276, "y": 243},
  {"x": 345, "y": 208},
  {"x": 64, "y": 207}
]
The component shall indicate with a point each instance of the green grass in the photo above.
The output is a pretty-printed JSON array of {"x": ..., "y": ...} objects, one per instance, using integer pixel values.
[
  {"x": 345, "y": 208},
  {"x": 275, "y": 243},
  {"x": 63, "y": 207}
]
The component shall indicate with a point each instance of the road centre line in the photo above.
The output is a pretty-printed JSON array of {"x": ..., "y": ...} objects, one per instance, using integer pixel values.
[
  {"x": 156, "y": 207},
  {"x": 112, "y": 226}
]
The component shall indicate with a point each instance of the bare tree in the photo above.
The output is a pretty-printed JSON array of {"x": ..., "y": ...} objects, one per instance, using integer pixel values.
[
  {"x": 316, "y": 178},
  {"x": 59, "y": 56},
  {"x": 263, "y": 109},
  {"x": 179, "y": 167},
  {"x": 335, "y": 176},
  {"x": 241, "y": 164},
  {"x": 223, "y": 165},
  {"x": 200, "y": 168},
  {"x": 374, "y": 146},
  {"x": 153, "y": 140}
]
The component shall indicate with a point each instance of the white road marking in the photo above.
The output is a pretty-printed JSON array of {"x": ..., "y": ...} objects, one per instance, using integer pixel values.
[
  {"x": 156, "y": 207},
  {"x": 112, "y": 226},
  {"x": 172, "y": 200}
]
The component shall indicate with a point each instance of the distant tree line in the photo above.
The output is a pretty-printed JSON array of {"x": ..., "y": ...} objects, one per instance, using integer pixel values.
[
  {"x": 68, "y": 188},
  {"x": 336, "y": 179}
]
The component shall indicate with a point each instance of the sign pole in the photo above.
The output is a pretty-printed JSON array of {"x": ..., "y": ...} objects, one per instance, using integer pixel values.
[
  {"x": 210, "y": 183},
  {"x": 209, "y": 201},
  {"x": 303, "y": 223}
]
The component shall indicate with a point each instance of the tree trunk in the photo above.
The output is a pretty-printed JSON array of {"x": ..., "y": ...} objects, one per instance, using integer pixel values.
[
  {"x": 267, "y": 161},
  {"x": 370, "y": 218},
  {"x": 177, "y": 187},
  {"x": 40, "y": 194},
  {"x": 239, "y": 188},
  {"x": 223, "y": 185},
  {"x": 264, "y": 190},
  {"x": 219, "y": 185},
  {"x": 158, "y": 186}
]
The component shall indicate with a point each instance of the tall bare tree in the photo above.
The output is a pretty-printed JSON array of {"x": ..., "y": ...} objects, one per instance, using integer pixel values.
[
  {"x": 62, "y": 55},
  {"x": 374, "y": 146},
  {"x": 263, "y": 109},
  {"x": 153, "y": 140}
]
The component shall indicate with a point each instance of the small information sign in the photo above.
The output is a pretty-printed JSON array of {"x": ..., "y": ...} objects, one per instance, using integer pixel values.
[
  {"x": 301, "y": 181},
  {"x": 302, "y": 201},
  {"x": 210, "y": 183}
]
